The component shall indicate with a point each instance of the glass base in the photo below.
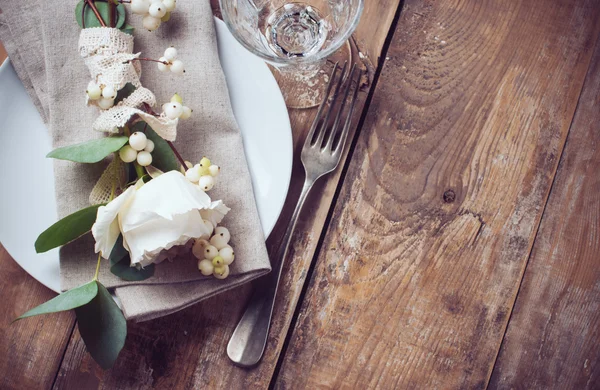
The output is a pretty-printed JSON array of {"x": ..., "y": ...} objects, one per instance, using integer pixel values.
[{"x": 305, "y": 86}]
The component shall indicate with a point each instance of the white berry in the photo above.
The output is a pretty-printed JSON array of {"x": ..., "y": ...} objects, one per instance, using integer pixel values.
[
  {"x": 144, "y": 158},
  {"x": 187, "y": 112},
  {"x": 169, "y": 5},
  {"x": 150, "y": 23},
  {"x": 127, "y": 154},
  {"x": 173, "y": 110},
  {"x": 157, "y": 10},
  {"x": 218, "y": 241},
  {"x": 177, "y": 67},
  {"x": 223, "y": 232},
  {"x": 149, "y": 146},
  {"x": 206, "y": 183},
  {"x": 221, "y": 272},
  {"x": 138, "y": 140},
  {"x": 198, "y": 249},
  {"x": 227, "y": 254},
  {"x": 140, "y": 7},
  {"x": 192, "y": 175},
  {"x": 170, "y": 53},
  {"x": 105, "y": 103},
  {"x": 93, "y": 90},
  {"x": 210, "y": 227},
  {"x": 109, "y": 92},
  {"x": 210, "y": 252},
  {"x": 162, "y": 66},
  {"x": 214, "y": 170},
  {"x": 206, "y": 267}
]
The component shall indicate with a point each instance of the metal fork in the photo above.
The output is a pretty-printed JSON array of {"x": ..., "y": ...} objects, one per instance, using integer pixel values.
[{"x": 321, "y": 154}]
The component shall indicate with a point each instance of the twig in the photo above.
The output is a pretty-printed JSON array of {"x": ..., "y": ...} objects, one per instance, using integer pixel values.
[
  {"x": 146, "y": 59},
  {"x": 181, "y": 160},
  {"x": 95, "y": 10}
]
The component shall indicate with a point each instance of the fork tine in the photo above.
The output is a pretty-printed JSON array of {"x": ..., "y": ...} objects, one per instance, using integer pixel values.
[
  {"x": 340, "y": 146},
  {"x": 336, "y": 122},
  {"x": 323, "y": 129},
  {"x": 315, "y": 123}
]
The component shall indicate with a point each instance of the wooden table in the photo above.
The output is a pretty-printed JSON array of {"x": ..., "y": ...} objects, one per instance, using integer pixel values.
[{"x": 458, "y": 247}]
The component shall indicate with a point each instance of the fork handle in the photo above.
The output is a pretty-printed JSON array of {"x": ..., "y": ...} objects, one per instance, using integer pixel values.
[{"x": 249, "y": 339}]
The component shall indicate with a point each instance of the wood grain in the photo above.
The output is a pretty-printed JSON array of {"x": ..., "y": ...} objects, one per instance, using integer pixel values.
[
  {"x": 31, "y": 348},
  {"x": 443, "y": 197},
  {"x": 187, "y": 349},
  {"x": 553, "y": 337}
]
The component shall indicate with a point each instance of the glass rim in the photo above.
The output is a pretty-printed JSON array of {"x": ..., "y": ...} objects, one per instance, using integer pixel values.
[{"x": 296, "y": 60}]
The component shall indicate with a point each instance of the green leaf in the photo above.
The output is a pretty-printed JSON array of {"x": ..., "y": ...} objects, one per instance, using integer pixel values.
[
  {"x": 118, "y": 251},
  {"x": 124, "y": 270},
  {"x": 67, "y": 229},
  {"x": 124, "y": 92},
  {"x": 92, "y": 21},
  {"x": 120, "y": 264},
  {"x": 68, "y": 300},
  {"x": 91, "y": 151},
  {"x": 128, "y": 29},
  {"x": 102, "y": 327},
  {"x": 163, "y": 157}
]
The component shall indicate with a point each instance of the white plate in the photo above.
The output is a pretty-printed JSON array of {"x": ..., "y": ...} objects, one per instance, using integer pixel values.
[{"x": 27, "y": 204}]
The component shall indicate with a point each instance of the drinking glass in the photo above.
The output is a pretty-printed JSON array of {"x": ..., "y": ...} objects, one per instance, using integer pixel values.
[{"x": 296, "y": 38}]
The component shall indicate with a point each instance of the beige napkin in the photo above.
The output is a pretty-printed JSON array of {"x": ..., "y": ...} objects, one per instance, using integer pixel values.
[{"x": 41, "y": 38}]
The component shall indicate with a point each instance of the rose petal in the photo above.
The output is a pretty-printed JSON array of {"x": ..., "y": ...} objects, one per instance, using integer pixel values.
[
  {"x": 106, "y": 228},
  {"x": 168, "y": 195}
]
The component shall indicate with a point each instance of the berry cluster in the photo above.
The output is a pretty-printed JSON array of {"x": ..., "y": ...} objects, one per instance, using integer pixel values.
[
  {"x": 138, "y": 149},
  {"x": 154, "y": 11},
  {"x": 175, "y": 108},
  {"x": 103, "y": 95},
  {"x": 169, "y": 62},
  {"x": 215, "y": 255},
  {"x": 203, "y": 174}
]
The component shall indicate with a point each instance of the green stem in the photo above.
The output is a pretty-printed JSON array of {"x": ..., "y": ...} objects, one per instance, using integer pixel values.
[
  {"x": 139, "y": 171},
  {"x": 98, "y": 266}
]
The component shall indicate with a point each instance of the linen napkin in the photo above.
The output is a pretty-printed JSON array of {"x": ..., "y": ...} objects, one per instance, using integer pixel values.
[{"x": 41, "y": 38}]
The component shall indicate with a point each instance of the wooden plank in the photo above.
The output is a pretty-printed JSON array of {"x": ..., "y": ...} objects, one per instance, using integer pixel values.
[
  {"x": 31, "y": 348},
  {"x": 437, "y": 214},
  {"x": 553, "y": 336},
  {"x": 187, "y": 349}
]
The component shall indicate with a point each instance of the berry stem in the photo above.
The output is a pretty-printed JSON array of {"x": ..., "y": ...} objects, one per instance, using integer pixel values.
[
  {"x": 139, "y": 171},
  {"x": 95, "y": 10},
  {"x": 147, "y": 59},
  {"x": 181, "y": 160}
]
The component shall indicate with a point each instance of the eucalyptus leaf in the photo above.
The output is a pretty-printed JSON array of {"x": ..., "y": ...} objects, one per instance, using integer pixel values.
[
  {"x": 124, "y": 92},
  {"x": 67, "y": 229},
  {"x": 120, "y": 264},
  {"x": 125, "y": 271},
  {"x": 102, "y": 327},
  {"x": 128, "y": 29},
  {"x": 90, "y": 151},
  {"x": 68, "y": 300},
  {"x": 163, "y": 157},
  {"x": 103, "y": 9},
  {"x": 118, "y": 251}
]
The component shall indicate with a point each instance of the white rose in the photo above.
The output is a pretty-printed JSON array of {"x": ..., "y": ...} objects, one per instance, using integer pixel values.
[{"x": 157, "y": 216}]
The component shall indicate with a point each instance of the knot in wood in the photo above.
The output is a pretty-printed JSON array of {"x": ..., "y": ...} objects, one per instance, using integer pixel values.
[{"x": 449, "y": 196}]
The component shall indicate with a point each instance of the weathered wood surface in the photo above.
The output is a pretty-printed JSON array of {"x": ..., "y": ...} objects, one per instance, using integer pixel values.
[
  {"x": 429, "y": 240},
  {"x": 187, "y": 349},
  {"x": 553, "y": 337},
  {"x": 30, "y": 351}
]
